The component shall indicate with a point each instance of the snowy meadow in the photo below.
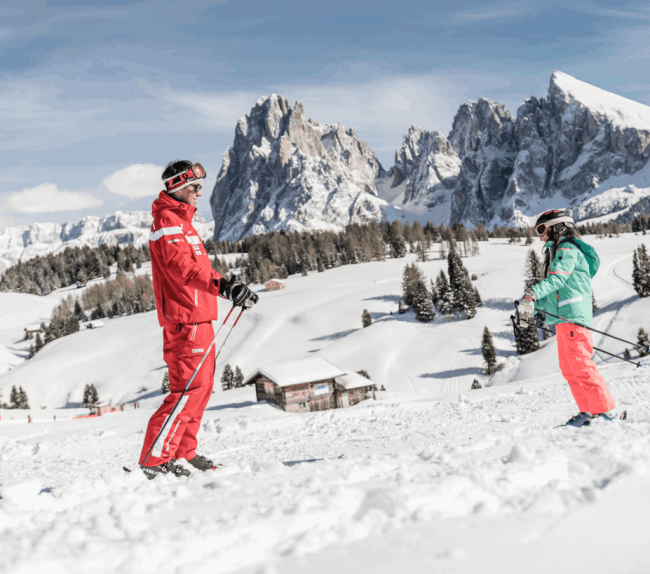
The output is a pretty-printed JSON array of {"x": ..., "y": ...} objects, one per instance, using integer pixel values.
[{"x": 430, "y": 475}]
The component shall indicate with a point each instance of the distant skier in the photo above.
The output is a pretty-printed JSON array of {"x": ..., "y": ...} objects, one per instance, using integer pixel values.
[
  {"x": 186, "y": 289},
  {"x": 569, "y": 265}
]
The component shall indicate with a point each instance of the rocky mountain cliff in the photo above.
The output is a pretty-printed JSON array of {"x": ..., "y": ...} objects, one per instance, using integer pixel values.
[
  {"x": 285, "y": 171},
  {"x": 425, "y": 172},
  {"x": 122, "y": 227},
  {"x": 580, "y": 147}
]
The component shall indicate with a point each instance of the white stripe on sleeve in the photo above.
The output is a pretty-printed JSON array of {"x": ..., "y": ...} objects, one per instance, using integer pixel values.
[
  {"x": 567, "y": 301},
  {"x": 156, "y": 235}
]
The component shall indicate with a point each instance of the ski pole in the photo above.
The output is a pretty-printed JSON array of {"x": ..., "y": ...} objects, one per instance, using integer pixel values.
[
  {"x": 190, "y": 382},
  {"x": 553, "y": 333},
  {"x": 635, "y": 345}
]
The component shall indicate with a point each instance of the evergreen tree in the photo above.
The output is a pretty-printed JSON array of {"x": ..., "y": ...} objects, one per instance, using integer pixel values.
[
  {"x": 422, "y": 252},
  {"x": 366, "y": 319},
  {"x": 238, "y": 378},
  {"x": 23, "y": 402},
  {"x": 422, "y": 304},
  {"x": 82, "y": 278},
  {"x": 14, "y": 398},
  {"x": 401, "y": 308},
  {"x": 445, "y": 295},
  {"x": 594, "y": 305},
  {"x": 489, "y": 352},
  {"x": 528, "y": 341},
  {"x": 78, "y": 311},
  {"x": 363, "y": 374},
  {"x": 411, "y": 276},
  {"x": 476, "y": 385},
  {"x": 533, "y": 270},
  {"x": 643, "y": 341},
  {"x": 32, "y": 352},
  {"x": 165, "y": 382},
  {"x": 627, "y": 355},
  {"x": 91, "y": 397},
  {"x": 464, "y": 294},
  {"x": 227, "y": 378},
  {"x": 641, "y": 271},
  {"x": 38, "y": 343},
  {"x": 479, "y": 301},
  {"x": 434, "y": 292}
]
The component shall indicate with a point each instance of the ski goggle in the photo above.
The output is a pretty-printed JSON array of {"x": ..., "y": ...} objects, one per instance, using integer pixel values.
[
  {"x": 542, "y": 227},
  {"x": 177, "y": 182}
]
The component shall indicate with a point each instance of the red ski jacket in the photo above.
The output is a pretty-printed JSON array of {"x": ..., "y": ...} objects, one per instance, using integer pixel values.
[{"x": 182, "y": 274}]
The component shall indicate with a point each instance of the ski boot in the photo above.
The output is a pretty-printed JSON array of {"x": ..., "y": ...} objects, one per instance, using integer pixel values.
[
  {"x": 171, "y": 467},
  {"x": 201, "y": 463},
  {"x": 612, "y": 415},
  {"x": 579, "y": 420}
]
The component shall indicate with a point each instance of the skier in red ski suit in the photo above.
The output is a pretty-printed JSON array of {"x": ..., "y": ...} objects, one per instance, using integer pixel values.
[{"x": 186, "y": 289}]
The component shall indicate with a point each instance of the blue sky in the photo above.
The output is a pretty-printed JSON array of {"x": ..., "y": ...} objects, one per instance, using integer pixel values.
[{"x": 88, "y": 89}]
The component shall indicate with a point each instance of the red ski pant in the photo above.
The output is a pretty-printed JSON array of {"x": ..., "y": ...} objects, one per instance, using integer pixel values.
[
  {"x": 574, "y": 346},
  {"x": 184, "y": 347}
]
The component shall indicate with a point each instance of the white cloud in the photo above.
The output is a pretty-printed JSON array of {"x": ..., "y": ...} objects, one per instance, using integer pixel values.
[
  {"x": 47, "y": 198},
  {"x": 136, "y": 181}
]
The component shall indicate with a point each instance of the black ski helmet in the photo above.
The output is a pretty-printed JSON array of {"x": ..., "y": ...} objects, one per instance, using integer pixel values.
[{"x": 557, "y": 220}]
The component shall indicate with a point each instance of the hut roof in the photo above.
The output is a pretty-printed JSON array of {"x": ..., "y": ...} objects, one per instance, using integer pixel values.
[
  {"x": 276, "y": 280},
  {"x": 296, "y": 372},
  {"x": 353, "y": 381}
]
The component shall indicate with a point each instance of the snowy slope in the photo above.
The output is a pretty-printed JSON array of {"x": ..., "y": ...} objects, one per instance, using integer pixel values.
[
  {"x": 320, "y": 315},
  {"x": 430, "y": 477}
]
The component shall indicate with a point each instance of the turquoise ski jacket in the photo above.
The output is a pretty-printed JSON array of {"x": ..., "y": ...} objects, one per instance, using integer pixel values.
[{"x": 566, "y": 290}]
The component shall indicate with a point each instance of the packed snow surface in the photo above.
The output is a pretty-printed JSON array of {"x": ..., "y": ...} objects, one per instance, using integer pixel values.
[{"x": 430, "y": 477}]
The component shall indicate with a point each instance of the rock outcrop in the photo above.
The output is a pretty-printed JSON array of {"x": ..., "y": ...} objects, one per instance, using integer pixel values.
[
  {"x": 580, "y": 147},
  {"x": 287, "y": 172},
  {"x": 425, "y": 171}
]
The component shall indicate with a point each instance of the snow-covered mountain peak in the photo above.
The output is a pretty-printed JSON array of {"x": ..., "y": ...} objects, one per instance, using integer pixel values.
[
  {"x": 620, "y": 111},
  {"x": 285, "y": 171},
  {"x": 122, "y": 227}
]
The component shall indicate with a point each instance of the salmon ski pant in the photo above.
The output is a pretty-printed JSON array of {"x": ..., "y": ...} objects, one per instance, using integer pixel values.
[
  {"x": 589, "y": 389},
  {"x": 184, "y": 347}
]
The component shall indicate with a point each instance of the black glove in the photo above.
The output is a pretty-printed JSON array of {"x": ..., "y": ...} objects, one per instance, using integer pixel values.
[
  {"x": 242, "y": 296},
  {"x": 225, "y": 287}
]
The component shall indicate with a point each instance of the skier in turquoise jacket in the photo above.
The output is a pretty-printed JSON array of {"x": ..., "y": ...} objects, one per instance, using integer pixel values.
[{"x": 565, "y": 291}]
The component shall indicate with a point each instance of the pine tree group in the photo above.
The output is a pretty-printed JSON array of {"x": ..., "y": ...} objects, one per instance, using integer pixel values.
[
  {"x": 18, "y": 398},
  {"x": 489, "y": 352},
  {"x": 641, "y": 271}
]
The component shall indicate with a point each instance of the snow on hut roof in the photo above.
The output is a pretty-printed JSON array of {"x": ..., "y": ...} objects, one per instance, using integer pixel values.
[
  {"x": 296, "y": 372},
  {"x": 353, "y": 380},
  {"x": 276, "y": 280}
]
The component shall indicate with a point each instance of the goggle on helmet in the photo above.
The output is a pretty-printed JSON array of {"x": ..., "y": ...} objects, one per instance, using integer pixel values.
[
  {"x": 551, "y": 218},
  {"x": 193, "y": 176}
]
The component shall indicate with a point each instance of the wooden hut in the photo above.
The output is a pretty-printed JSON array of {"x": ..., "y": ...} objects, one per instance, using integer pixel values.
[
  {"x": 308, "y": 385},
  {"x": 274, "y": 285}
]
